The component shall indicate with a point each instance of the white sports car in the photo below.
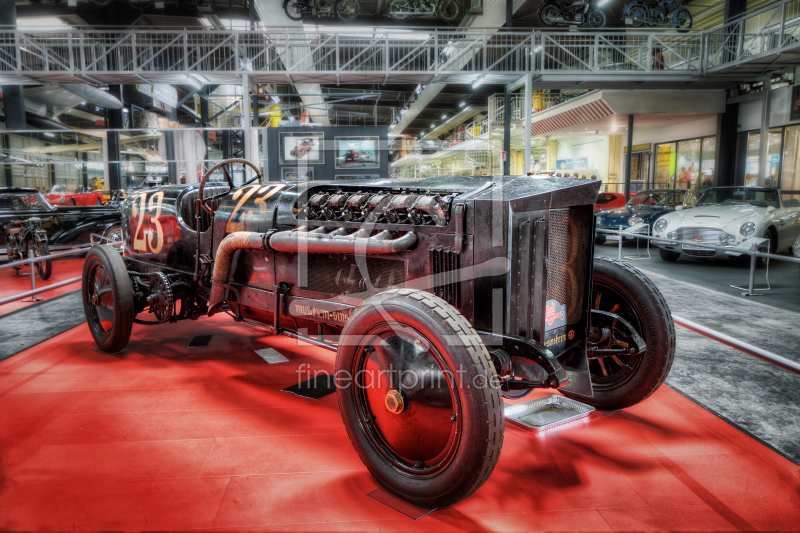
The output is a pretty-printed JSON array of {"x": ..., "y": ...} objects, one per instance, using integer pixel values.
[{"x": 732, "y": 218}]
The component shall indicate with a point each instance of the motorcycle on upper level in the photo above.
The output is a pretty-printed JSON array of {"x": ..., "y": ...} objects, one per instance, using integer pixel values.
[
  {"x": 664, "y": 13},
  {"x": 447, "y": 10},
  {"x": 575, "y": 13},
  {"x": 346, "y": 10}
]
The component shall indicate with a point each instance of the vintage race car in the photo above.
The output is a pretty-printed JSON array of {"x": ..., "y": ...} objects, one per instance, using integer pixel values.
[
  {"x": 65, "y": 226},
  {"x": 439, "y": 296},
  {"x": 64, "y": 195},
  {"x": 303, "y": 148},
  {"x": 641, "y": 212},
  {"x": 730, "y": 217}
]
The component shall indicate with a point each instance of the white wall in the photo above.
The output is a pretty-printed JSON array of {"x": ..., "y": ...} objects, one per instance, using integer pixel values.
[{"x": 593, "y": 147}]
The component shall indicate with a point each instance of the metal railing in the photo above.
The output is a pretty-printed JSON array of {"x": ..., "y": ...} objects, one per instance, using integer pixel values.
[
  {"x": 384, "y": 54},
  {"x": 753, "y": 251},
  {"x": 32, "y": 260}
]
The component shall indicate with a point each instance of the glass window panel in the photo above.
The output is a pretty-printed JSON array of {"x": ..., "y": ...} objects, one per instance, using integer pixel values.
[
  {"x": 753, "y": 157},
  {"x": 688, "y": 164},
  {"x": 790, "y": 176},
  {"x": 665, "y": 165},
  {"x": 707, "y": 163}
]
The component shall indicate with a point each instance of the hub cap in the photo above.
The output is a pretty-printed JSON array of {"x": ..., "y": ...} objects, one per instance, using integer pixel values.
[{"x": 101, "y": 298}]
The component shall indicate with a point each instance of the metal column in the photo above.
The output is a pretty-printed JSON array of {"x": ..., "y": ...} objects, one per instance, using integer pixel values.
[
  {"x": 13, "y": 99},
  {"x": 507, "y": 103},
  {"x": 111, "y": 155},
  {"x": 173, "y": 175},
  {"x": 629, "y": 160},
  {"x": 764, "y": 148},
  {"x": 528, "y": 119}
]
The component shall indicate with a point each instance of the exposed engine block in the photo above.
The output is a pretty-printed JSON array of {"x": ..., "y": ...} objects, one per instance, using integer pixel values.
[{"x": 426, "y": 209}]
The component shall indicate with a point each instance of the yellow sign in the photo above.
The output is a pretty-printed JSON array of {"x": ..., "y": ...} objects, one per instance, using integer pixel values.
[{"x": 638, "y": 148}]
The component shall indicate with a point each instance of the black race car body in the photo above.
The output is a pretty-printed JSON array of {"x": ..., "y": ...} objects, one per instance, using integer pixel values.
[
  {"x": 447, "y": 292},
  {"x": 65, "y": 226}
]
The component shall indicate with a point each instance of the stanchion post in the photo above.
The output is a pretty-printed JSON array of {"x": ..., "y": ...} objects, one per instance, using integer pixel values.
[
  {"x": 33, "y": 298},
  {"x": 750, "y": 291},
  {"x": 619, "y": 248}
]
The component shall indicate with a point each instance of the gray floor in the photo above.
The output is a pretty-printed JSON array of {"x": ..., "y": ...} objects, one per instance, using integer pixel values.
[
  {"x": 719, "y": 274},
  {"x": 26, "y": 327}
]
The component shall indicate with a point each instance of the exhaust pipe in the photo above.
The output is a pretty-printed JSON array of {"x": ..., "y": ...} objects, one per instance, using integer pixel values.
[{"x": 301, "y": 240}]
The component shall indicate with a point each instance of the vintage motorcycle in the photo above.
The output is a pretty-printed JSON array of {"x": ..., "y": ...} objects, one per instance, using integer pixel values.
[
  {"x": 447, "y": 10},
  {"x": 579, "y": 12},
  {"x": 346, "y": 10},
  {"x": 24, "y": 235},
  {"x": 664, "y": 13}
]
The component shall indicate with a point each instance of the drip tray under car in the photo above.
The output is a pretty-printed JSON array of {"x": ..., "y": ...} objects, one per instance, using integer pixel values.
[{"x": 545, "y": 413}]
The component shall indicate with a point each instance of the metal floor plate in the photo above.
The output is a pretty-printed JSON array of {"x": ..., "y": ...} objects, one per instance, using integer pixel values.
[{"x": 545, "y": 413}]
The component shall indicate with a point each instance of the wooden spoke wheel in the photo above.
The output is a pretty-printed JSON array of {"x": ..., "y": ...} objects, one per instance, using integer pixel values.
[{"x": 107, "y": 298}]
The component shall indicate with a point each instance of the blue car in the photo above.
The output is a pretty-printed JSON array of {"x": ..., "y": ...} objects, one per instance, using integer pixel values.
[{"x": 641, "y": 212}]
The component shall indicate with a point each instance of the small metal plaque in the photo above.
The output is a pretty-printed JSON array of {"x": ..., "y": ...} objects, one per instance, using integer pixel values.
[
  {"x": 315, "y": 388},
  {"x": 200, "y": 341},
  {"x": 271, "y": 356},
  {"x": 548, "y": 412},
  {"x": 398, "y": 504}
]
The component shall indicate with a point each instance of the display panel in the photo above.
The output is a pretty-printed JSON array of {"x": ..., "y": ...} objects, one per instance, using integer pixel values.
[
  {"x": 305, "y": 147},
  {"x": 297, "y": 174},
  {"x": 356, "y": 152}
]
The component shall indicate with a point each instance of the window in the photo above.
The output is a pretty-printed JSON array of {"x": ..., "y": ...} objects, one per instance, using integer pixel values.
[
  {"x": 740, "y": 196},
  {"x": 708, "y": 155},
  {"x": 665, "y": 165},
  {"x": 753, "y": 157},
  {"x": 688, "y": 164},
  {"x": 790, "y": 173}
]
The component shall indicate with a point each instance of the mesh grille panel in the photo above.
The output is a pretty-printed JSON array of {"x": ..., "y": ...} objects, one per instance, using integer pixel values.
[
  {"x": 705, "y": 234},
  {"x": 444, "y": 265},
  {"x": 568, "y": 245},
  {"x": 341, "y": 275}
]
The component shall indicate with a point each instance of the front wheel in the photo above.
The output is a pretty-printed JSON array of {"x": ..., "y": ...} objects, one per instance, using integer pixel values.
[
  {"x": 449, "y": 10},
  {"x": 638, "y": 15},
  {"x": 619, "y": 380},
  {"x": 668, "y": 256},
  {"x": 421, "y": 401},
  {"x": 107, "y": 298},
  {"x": 399, "y": 9},
  {"x": 596, "y": 19},
  {"x": 292, "y": 9},
  {"x": 44, "y": 268},
  {"x": 346, "y": 10},
  {"x": 682, "y": 19}
]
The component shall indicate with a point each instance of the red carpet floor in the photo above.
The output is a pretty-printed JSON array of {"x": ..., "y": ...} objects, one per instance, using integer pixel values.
[
  {"x": 162, "y": 437},
  {"x": 11, "y": 284}
]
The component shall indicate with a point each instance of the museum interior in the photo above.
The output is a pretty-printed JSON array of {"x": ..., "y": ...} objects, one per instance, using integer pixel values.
[{"x": 430, "y": 265}]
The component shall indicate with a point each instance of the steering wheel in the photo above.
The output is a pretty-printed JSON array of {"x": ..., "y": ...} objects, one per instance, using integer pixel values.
[{"x": 223, "y": 165}]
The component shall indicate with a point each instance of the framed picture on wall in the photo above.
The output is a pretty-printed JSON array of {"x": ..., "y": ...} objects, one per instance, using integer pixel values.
[
  {"x": 302, "y": 147},
  {"x": 297, "y": 174},
  {"x": 795, "y": 110},
  {"x": 356, "y": 152}
]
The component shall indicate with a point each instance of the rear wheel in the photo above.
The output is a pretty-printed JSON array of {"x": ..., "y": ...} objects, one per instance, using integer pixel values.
[
  {"x": 600, "y": 239},
  {"x": 549, "y": 14},
  {"x": 620, "y": 291},
  {"x": 113, "y": 233},
  {"x": 682, "y": 19},
  {"x": 292, "y": 9},
  {"x": 666, "y": 255},
  {"x": 422, "y": 405},
  {"x": 638, "y": 15},
  {"x": 107, "y": 298},
  {"x": 596, "y": 19},
  {"x": 449, "y": 10},
  {"x": 346, "y": 10},
  {"x": 399, "y": 9}
]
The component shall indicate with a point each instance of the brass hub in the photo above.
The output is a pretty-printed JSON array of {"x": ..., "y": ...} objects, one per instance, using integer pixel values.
[
  {"x": 395, "y": 402},
  {"x": 95, "y": 299}
]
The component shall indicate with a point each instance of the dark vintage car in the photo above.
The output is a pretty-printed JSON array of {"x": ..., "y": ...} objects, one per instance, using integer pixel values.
[
  {"x": 303, "y": 148},
  {"x": 65, "y": 226},
  {"x": 439, "y": 296},
  {"x": 642, "y": 211}
]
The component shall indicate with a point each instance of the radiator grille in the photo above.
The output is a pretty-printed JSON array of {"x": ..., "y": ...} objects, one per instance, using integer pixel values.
[
  {"x": 446, "y": 281},
  {"x": 705, "y": 234},
  {"x": 569, "y": 232},
  {"x": 341, "y": 275}
]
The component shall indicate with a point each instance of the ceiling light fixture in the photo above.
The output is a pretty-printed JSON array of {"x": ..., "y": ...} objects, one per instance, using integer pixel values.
[
  {"x": 462, "y": 103},
  {"x": 478, "y": 81},
  {"x": 444, "y": 117}
]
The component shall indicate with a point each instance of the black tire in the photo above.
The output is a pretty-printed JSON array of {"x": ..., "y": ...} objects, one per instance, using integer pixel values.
[
  {"x": 98, "y": 202},
  {"x": 449, "y": 10},
  {"x": 193, "y": 3},
  {"x": 346, "y": 10},
  {"x": 72, "y": 201},
  {"x": 101, "y": 3},
  {"x": 597, "y": 19},
  {"x": 113, "y": 233},
  {"x": 398, "y": 8},
  {"x": 292, "y": 10},
  {"x": 600, "y": 239},
  {"x": 624, "y": 290},
  {"x": 106, "y": 282},
  {"x": 666, "y": 255},
  {"x": 546, "y": 12},
  {"x": 637, "y": 12},
  {"x": 682, "y": 20},
  {"x": 140, "y": 4},
  {"x": 43, "y": 268},
  {"x": 451, "y": 434}
]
